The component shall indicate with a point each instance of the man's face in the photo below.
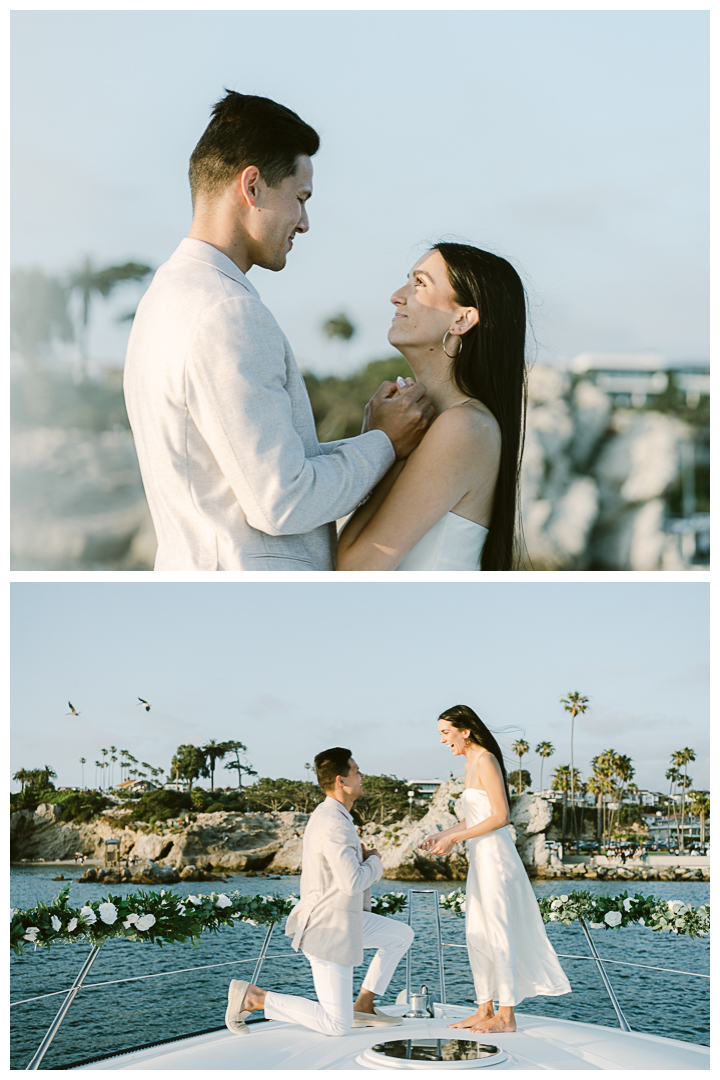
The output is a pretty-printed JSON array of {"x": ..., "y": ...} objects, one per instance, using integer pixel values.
[
  {"x": 280, "y": 214},
  {"x": 353, "y": 782}
]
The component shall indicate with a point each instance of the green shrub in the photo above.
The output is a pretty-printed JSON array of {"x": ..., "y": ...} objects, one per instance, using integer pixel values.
[
  {"x": 160, "y": 805},
  {"x": 199, "y": 800},
  {"x": 82, "y": 806},
  {"x": 214, "y": 807}
]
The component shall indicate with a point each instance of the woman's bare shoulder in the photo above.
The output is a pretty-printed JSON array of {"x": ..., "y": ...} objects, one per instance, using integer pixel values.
[{"x": 469, "y": 423}]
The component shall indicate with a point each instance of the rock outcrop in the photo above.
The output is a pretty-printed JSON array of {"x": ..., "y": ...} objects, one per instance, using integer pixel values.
[{"x": 221, "y": 841}]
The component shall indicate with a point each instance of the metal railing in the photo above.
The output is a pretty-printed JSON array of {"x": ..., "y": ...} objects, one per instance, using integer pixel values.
[{"x": 259, "y": 960}]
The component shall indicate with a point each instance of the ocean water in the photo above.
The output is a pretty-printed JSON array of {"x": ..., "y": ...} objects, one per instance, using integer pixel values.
[{"x": 130, "y": 1014}]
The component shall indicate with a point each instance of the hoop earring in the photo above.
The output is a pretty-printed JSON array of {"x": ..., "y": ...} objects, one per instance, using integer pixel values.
[{"x": 445, "y": 350}]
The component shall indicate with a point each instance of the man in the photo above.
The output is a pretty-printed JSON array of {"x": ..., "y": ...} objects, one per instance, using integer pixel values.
[
  {"x": 233, "y": 472},
  {"x": 333, "y": 923}
]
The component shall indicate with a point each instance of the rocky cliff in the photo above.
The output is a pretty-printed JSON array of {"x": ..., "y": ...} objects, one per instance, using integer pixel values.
[
  {"x": 267, "y": 843},
  {"x": 222, "y": 841},
  {"x": 226, "y": 843}
]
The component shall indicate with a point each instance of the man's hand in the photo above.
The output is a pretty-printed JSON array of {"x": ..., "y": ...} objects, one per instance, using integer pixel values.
[
  {"x": 368, "y": 852},
  {"x": 404, "y": 414}
]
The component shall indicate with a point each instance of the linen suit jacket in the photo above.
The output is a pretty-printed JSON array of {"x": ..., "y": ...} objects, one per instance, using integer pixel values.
[
  {"x": 233, "y": 471},
  {"x": 334, "y": 888}
]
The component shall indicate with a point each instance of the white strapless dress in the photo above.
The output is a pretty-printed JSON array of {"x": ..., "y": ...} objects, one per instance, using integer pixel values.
[
  {"x": 454, "y": 543},
  {"x": 510, "y": 955}
]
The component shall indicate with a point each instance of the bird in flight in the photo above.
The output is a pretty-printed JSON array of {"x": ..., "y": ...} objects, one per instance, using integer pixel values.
[
  {"x": 73, "y": 710},
  {"x": 144, "y": 703}
]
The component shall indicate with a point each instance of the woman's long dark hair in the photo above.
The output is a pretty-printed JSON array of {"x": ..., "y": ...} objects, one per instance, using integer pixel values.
[
  {"x": 464, "y": 718},
  {"x": 491, "y": 368}
]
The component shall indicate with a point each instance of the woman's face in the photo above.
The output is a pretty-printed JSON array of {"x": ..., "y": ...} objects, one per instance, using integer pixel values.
[
  {"x": 425, "y": 308},
  {"x": 450, "y": 736}
]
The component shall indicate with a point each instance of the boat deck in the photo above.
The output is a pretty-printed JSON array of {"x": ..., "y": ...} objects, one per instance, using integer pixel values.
[{"x": 539, "y": 1043}]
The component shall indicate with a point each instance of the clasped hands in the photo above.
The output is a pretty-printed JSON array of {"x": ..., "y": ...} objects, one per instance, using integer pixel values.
[{"x": 439, "y": 844}]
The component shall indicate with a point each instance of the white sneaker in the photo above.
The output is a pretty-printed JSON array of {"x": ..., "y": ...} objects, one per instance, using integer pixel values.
[{"x": 234, "y": 1017}]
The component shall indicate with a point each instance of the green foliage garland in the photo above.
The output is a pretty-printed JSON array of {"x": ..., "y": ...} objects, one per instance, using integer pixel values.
[
  {"x": 159, "y": 917},
  {"x": 611, "y": 912}
]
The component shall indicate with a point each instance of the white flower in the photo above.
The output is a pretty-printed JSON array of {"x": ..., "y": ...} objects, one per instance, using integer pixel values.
[
  {"x": 12, "y": 913},
  {"x": 556, "y": 904},
  {"x": 613, "y": 918},
  {"x": 385, "y": 903},
  {"x": 252, "y": 922},
  {"x": 180, "y": 908},
  {"x": 223, "y": 901},
  {"x": 133, "y": 918},
  {"x": 553, "y": 917},
  {"x": 72, "y": 925},
  {"x": 108, "y": 913},
  {"x": 31, "y": 933},
  {"x": 294, "y": 900},
  {"x": 145, "y": 922},
  {"x": 564, "y": 899},
  {"x": 596, "y": 925},
  {"x": 195, "y": 900},
  {"x": 677, "y": 907},
  {"x": 641, "y": 921},
  {"x": 88, "y": 915},
  {"x": 55, "y": 923},
  {"x": 627, "y": 902},
  {"x": 162, "y": 892}
]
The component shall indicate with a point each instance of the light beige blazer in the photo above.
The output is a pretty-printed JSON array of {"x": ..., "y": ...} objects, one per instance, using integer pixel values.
[
  {"x": 334, "y": 888},
  {"x": 233, "y": 471}
]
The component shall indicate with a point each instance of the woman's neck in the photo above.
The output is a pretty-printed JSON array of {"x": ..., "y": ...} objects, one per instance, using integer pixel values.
[{"x": 437, "y": 380}]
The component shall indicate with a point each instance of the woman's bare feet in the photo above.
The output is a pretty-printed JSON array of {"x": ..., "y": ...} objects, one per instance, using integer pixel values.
[
  {"x": 485, "y": 1020},
  {"x": 480, "y": 1017}
]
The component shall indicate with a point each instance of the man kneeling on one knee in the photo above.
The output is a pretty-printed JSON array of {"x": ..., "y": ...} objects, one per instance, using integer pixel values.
[{"x": 332, "y": 923}]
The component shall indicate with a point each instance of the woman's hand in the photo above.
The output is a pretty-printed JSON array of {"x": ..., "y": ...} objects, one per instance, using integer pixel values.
[{"x": 439, "y": 844}]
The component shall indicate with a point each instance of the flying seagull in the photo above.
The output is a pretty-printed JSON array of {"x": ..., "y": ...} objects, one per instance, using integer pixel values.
[
  {"x": 144, "y": 703},
  {"x": 73, "y": 710}
]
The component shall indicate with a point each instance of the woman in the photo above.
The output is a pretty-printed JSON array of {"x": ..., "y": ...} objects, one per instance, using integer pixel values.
[
  {"x": 510, "y": 955},
  {"x": 452, "y": 505}
]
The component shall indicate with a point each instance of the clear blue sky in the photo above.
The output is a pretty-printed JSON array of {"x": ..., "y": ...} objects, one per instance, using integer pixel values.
[
  {"x": 293, "y": 668},
  {"x": 573, "y": 142}
]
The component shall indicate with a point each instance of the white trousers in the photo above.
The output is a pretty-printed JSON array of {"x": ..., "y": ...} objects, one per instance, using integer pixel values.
[{"x": 332, "y": 1013}]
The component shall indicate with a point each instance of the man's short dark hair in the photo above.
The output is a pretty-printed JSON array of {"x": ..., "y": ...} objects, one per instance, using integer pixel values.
[
  {"x": 249, "y": 130},
  {"x": 332, "y": 763}
]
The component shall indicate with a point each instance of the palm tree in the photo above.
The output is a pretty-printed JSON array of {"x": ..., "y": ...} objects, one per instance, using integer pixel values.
[
  {"x": 82, "y": 771},
  {"x": 338, "y": 326},
  {"x": 564, "y": 781},
  {"x": 545, "y": 750},
  {"x": 680, "y": 759},
  {"x": 700, "y": 807},
  {"x": 88, "y": 281},
  {"x": 24, "y": 776},
  {"x": 601, "y": 784},
  {"x": 98, "y": 765},
  {"x": 576, "y": 705},
  {"x": 673, "y": 775},
  {"x": 214, "y": 751},
  {"x": 623, "y": 771},
  {"x": 521, "y": 748}
]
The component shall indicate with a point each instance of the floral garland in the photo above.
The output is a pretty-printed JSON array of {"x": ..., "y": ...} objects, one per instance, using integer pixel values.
[
  {"x": 160, "y": 917},
  {"x": 610, "y": 912}
]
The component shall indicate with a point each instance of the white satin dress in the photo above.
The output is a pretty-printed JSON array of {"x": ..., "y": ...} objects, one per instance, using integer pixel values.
[
  {"x": 510, "y": 955},
  {"x": 454, "y": 543}
]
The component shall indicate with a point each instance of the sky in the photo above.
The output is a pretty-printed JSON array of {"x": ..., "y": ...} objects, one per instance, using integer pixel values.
[
  {"x": 293, "y": 668},
  {"x": 574, "y": 143}
]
